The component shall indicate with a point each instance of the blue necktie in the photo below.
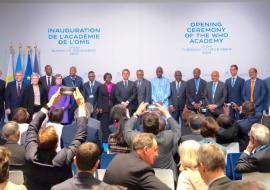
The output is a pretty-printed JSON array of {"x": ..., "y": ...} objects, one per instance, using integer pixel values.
[
  {"x": 233, "y": 82},
  {"x": 214, "y": 87},
  {"x": 197, "y": 85}
]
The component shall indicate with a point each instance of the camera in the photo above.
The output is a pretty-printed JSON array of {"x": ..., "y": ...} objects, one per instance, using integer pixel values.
[
  {"x": 66, "y": 90},
  {"x": 228, "y": 104},
  {"x": 151, "y": 107}
]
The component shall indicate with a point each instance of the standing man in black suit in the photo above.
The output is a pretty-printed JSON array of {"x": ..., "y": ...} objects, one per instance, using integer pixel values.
[
  {"x": 177, "y": 99},
  {"x": 134, "y": 170},
  {"x": 216, "y": 93},
  {"x": 234, "y": 86},
  {"x": 195, "y": 91},
  {"x": 48, "y": 79},
  {"x": 126, "y": 92},
  {"x": 143, "y": 88},
  {"x": 2, "y": 99},
  {"x": 14, "y": 93},
  {"x": 212, "y": 165},
  {"x": 90, "y": 92}
]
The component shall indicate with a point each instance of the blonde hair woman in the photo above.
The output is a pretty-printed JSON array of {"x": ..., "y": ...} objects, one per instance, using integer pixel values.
[{"x": 189, "y": 178}]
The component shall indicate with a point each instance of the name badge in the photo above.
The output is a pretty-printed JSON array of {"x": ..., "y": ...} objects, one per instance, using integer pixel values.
[{"x": 91, "y": 96}]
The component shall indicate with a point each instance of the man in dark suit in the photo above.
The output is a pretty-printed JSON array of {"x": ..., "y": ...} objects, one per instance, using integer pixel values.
[
  {"x": 73, "y": 80},
  {"x": 48, "y": 79},
  {"x": 11, "y": 133},
  {"x": 177, "y": 99},
  {"x": 13, "y": 94},
  {"x": 234, "y": 86},
  {"x": 167, "y": 139},
  {"x": 211, "y": 160},
  {"x": 90, "y": 92},
  {"x": 195, "y": 91},
  {"x": 87, "y": 161},
  {"x": 216, "y": 94},
  {"x": 143, "y": 88},
  {"x": 68, "y": 131},
  {"x": 255, "y": 90},
  {"x": 133, "y": 170},
  {"x": 2, "y": 99},
  {"x": 126, "y": 92},
  {"x": 44, "y": 166},
  {"x": 256, "y": 156},
  {"x": 195, "y": 126}
]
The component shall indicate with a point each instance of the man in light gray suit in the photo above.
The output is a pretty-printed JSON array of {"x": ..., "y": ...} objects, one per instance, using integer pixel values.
[
  {"x": 143, "y": 88},
  {"x": 216, "y": 93},
  {"x": 177, "y": 99},
  {"x": 126, "y": 92},
  {"x": 267, "y": 98}
]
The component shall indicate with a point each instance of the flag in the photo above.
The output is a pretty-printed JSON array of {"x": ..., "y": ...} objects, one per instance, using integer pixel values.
[
  {"x": 36, "y": 65},
  {"x": 19, "y": 64},
  {"x": 10, "y": 74},
  {"x": 28, "y": 70}
]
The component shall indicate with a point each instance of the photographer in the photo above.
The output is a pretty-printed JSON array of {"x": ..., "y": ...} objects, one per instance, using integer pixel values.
[{"x": 167, "y": 139}]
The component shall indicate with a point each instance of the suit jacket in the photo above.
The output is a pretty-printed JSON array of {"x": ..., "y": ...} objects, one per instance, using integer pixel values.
[
  {"x": 12, "y": 99},
  {"x": 105, "y": 100},
  {"x": 220, "y": 184},
  {"x": 267, "y": 99},
  {"x": 178, "y": 99},
  {"x": 78, "y": 82},
  {"x": 167, "y": 141},
  {"x": 83, "y": 180},
  {"x": 2, "y": 97},
  {"x": 192, "y": 96},
  {"x": 91, "y": 96},
  {"x": 257, "y": 162},
  {"x": 195, "y": 135},
  {"x": 44, "y": 82},
  {"x": 68, "y": 133},
  {"x": 128, "y": 93},
  {"x": 130, "y": 171},
  {"x": 144, "y": 91},
  {"x": 259, "y": 93},
  {"x": 235, "y": 93},
  {"x": 43, "y": 168},
  {"x": 94, "y": 123},
  {"x": 16, "y": 159},
  {"x": 28, "y": 98},
  {"x": 220, "y": 95}
]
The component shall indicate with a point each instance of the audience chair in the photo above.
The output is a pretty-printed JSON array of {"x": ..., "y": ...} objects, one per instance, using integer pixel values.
[
  {"x": 260, "y": 178},
  {"x": 16, "y": 176},
  {"x": 230, "y": 165}
]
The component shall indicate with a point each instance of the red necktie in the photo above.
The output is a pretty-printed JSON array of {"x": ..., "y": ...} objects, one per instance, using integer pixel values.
[{"x": 19, "y": 89}]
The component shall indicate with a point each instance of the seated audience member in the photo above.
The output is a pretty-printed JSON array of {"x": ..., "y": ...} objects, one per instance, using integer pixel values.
[
  {"x": 116, "y": 140},
  {"x": 186, "y": 115},
  {"x": 228, "y": 131},
  {"x": 249, "y": 117},
  {"x": 118, "y": 112},
  {"x": 195, "y": 126},
  {"x": 21, "y": 116},
  {"x": 11, "y": 133},
  {"x": 189, "y": 178},
  {"x": 134, "y": 170},
  {"x": 244, "y": 185},
  {"x": 256, "y": 156},
  {"x": 167, "y": 140},
  {"x": 87, "y": 161},
  {"x": 55, "y": 118},
  {"x": 4, "y": 172},
  {"x": 68, "y": 131},
  {"x": 211, "y": 165},
  {"x": 209, "y": 131},
  {"x": 44, "y": 166}
]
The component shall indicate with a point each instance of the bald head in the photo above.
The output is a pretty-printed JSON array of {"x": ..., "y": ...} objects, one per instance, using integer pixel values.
[
  {"x": 11, "y": 131},
  {"x": 215, "y": 76}
]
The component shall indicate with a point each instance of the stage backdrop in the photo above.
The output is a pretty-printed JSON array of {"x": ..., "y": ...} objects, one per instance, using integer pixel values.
[{"x": 107, "y": 37}]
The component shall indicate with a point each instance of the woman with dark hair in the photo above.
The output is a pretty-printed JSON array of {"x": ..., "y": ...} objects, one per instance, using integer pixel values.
[
  {"x": 106, "y": 100},
  {"x": 64, "y": 100},
  {"x": 116, "y": 140}
]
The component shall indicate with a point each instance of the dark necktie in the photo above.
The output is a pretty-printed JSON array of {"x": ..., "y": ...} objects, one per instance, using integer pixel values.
[
  {"x": 19, "y": 89},
  {"x": 49, "y": 82},
  {"x": 177, "y": 87}
]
